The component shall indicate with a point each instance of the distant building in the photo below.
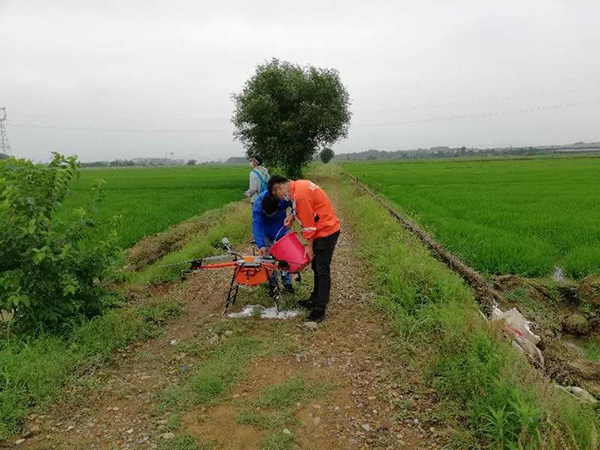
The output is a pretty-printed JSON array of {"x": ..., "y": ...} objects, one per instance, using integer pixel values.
[{"x": 237, "y": 160}]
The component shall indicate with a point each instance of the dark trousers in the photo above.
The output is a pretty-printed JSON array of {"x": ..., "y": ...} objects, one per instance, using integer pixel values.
[
  {"x": 286, "y": 277},
  {"x": 321, "y": 266}
]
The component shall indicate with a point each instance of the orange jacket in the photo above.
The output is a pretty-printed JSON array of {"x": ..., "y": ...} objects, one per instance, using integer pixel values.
[{"x": 313, "y": 209}]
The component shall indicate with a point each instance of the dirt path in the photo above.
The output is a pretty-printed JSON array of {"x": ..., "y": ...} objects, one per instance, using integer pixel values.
[{"x": 341, "y": 386}]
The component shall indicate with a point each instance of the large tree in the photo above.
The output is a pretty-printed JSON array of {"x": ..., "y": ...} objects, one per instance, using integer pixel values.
[{"x": 287, "y": 112}]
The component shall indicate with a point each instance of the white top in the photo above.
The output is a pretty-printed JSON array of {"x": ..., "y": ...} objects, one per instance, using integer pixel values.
[{"x": 252, "y": 191}]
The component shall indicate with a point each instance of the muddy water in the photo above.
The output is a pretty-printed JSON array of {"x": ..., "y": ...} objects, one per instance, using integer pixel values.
[{"x": 582, "y": 344}]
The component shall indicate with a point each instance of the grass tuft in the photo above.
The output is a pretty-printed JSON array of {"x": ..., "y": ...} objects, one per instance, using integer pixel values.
[
  {"x": 278, "y": 441},
  {"x": 591, "y": 351},
  {"x": 222, "y": 369},
  {"x": 282, "y": 395},
  {"x": 269, "y": 420},
  {"x": 275, "y": 409},
  {"x": 185, "y": 442}
]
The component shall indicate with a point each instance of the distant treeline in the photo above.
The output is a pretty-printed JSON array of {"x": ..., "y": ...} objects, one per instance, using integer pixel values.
[
  {"x": 448, "y": 152},
  {"x": 372, "y": 155},
  {"x": 158, "y": 162}
]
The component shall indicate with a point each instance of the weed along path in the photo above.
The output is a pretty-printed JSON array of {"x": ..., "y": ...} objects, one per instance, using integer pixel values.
[{"x": 212, "y": 382}]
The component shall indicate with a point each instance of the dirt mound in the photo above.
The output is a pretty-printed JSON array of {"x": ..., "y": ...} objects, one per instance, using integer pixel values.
[
  {"x": 576, "y": 324},
  {"x": 589, "y": 290},
  {"x": 587, "y": 375},
  {"x": 153, "y": 247},
  {"x": 505, "y": 283}
]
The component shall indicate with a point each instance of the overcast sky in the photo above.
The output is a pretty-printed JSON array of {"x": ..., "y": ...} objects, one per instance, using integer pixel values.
[{"x": 123, "y": 66}]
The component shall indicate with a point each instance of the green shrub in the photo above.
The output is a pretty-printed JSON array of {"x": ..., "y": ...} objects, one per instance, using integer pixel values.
[{"x": 51, "y": 269}]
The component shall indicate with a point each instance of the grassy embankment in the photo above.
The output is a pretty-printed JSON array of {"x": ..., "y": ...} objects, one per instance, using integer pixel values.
[
  {"x": 488, "y": 389},
  {"x": 513, "y": 216},
  {"x": 232, "y": 221},
  {"x": 34, "y": 369}
]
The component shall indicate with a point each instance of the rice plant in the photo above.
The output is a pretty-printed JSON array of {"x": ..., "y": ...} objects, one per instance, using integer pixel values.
[{"x": 517, "y": 216}]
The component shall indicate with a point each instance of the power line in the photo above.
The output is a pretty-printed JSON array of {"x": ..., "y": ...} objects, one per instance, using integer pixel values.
[
  {"x": 505, "y": 98},
  {"x": 121, "y": 130},
  {"x": 478, "y": 115},
  {"x": 121, "y": 119},
  {"x": 368, "y": 124}
]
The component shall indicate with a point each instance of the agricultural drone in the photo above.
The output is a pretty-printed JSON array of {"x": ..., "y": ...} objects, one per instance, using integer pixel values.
[{"x": 251, "y": 270}]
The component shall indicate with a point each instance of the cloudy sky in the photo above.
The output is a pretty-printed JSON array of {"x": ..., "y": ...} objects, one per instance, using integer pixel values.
[{"x": 107, "y": 79}]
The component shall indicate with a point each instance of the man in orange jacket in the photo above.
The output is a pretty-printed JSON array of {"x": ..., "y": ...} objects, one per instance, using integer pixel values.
[{"x": 321, "y": 230}]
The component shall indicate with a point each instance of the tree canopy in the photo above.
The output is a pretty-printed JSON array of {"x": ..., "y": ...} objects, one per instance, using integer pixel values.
[
  {"x": 326, "y": 155},
  {"x": 286, "y": 113}
]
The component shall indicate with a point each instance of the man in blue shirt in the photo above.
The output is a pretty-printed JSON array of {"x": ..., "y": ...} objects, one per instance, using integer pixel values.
[{"x": 268, "y": 216}]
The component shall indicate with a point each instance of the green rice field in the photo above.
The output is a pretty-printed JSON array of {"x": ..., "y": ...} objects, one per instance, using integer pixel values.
[
  {"x": 512, "y": 216},
  {"x": 150, "y": 199}
]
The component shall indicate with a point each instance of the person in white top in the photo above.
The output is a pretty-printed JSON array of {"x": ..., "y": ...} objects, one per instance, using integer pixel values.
[{"x": 259, "y": 178}]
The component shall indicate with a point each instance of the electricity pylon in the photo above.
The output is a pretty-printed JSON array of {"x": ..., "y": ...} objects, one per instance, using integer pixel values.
[{"x": 4, "y": 144}]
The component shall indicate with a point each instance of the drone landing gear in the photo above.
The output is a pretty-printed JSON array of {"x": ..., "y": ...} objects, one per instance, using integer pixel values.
[{"x": 234, "y": 287}]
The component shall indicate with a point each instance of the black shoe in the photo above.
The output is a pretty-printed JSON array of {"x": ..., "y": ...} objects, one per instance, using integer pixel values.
[
  {"x": 273, "y": 291},
  {"x": 309, "y": 303},
  {"x": 316, "y": 315},
  {"x": 289, "y": 289}
]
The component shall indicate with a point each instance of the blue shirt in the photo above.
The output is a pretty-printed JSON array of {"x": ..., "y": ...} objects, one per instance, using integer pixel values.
[{"x": 264, "y": 226}]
